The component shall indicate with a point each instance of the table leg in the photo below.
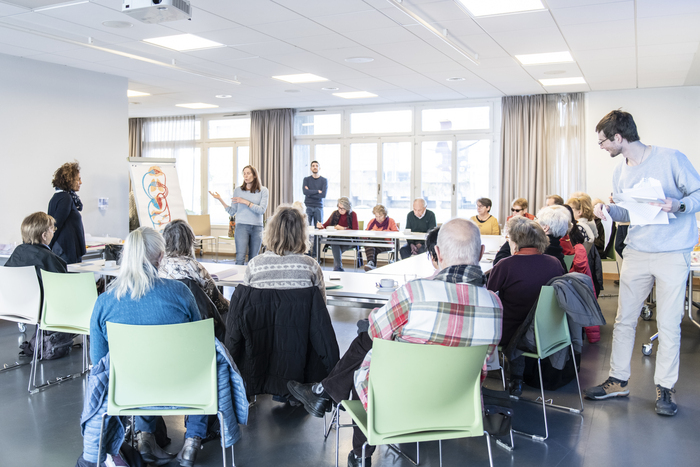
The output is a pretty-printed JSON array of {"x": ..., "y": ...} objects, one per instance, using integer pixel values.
[
  {"x": 690, "y": 299},
  {"x": 397, "y": 247},
  {"x": 317, "y": 242}
]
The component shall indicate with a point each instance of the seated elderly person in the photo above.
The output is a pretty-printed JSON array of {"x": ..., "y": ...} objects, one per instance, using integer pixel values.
[
  {"x": 381, "y": 221},
  {"x": 37, "y": 232},
  {"x": 179, "y": 262},
  {"x": 284, "y": 265},
  {"x": 138, "y": 296},
  {"x": 421, "y": 219},
  {"x": 519, "y": 208},
  {"x": 518, "y": 280},
  {"x": 417, "y": 312},
  {"x": 555, "y": 222},
  {"x": 344, "y": 218},
  {"x": 583, "y": 213},
  {"x": 488, "y": 225}
]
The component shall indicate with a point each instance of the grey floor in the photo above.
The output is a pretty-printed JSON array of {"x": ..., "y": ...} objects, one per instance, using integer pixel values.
[{"x": 43, "y": 429}]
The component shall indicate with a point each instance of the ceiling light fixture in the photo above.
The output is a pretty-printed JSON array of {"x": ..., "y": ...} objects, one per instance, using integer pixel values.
[
  {"x": 354, "y": 94},
  {"x": 359, "y": 59},
  {"x": 117, "y": 24},
  {"x": 291, "y": 90},
  {"x": 555, "y": 72},
  {"x": 468, "y": 54},
  {"x": 183, "y": 42},
  {"x": 455, "y": 78},
  {"x": 562, "y": 81},
  {"x": 223, "y": 96},
  {"x": 197, "y": 105},
  {"x": 501, "y": 7},
  {"x": 130, "y": 93},
  {"x": 300, "y": 78},
  {"x": 59, "y": 5},
  {"x": 542, "y": 59},
  {"x": 329, "y": 89}
]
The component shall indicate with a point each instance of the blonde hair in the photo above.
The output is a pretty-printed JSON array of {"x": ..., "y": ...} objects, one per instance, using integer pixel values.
[
  {"x": 380, "y": 209},
  {"x": 34, "y": 226},
  {"x": 527, "y": 234},
  {"x": 584, "y": 205},
  {"x": 285, "y": 232},
  {"x": 581, "y": 194},
  {"x": 139, "y": 263}
]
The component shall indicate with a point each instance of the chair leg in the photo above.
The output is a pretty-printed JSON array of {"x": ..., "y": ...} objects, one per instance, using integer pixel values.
[
  {"x": 440, "y": 449},
  {"x": 99, "y": 443},
  {"x": 364, "y": 446},
  {"x": 328, "y": 427},
  {"x": 223, "y": 440},
  {"x": 578, "y": 382},
  {"x": 544, "y": 409},
  {"x": 488, "y": 446},
  {"x": 32, "y": 372}
]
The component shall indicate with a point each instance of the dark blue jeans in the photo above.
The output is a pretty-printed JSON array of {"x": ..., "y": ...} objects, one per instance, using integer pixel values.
[
  {"x": 314, "y": 214},
  {"x": 247, "y": 238},
  {"x": 196, "y": 425}
]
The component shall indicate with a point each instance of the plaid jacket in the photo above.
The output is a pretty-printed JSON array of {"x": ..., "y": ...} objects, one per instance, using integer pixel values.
[{"x": 452, "y": 309}]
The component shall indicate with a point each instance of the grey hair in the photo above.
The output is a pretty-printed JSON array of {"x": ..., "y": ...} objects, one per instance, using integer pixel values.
[
  {"x": 139, "y": 263},
  {"x": 423, "y": 201},
  {"x": 345, "y": 203},
  {"x": 179, "y": 239},
  {"x": 527, "y": 234},
  {"x": 285, "y": 232},
  {"x": 459, "y": 242},
  {"x": 557, "y": 218}
]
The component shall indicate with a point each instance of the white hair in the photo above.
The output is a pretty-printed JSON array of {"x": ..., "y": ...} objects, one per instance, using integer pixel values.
[
  {"x": 139, "y": 263},
  {"x": 422, "y": 200},
  {"x": 557, "y": 218},
  {"x": 459, "y": 241}
]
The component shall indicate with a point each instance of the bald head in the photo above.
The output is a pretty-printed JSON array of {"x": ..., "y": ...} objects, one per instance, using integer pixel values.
[{"x": 459, "y": 242}]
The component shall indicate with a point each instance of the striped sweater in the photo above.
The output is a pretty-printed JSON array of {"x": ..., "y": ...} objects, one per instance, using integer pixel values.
[{"x": 292, "y": 271}]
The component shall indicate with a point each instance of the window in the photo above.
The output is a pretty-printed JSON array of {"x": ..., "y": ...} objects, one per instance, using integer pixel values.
[
  {"x": 325, "y": 124},
  {"x": 363, "y": 180},
  {"x": 229, "y": 128},
  {"x": 189, "y": 173},
  {"x": 301, "y": 169},
  {"x": 396, "y": 180},
  {"x": 472, "y": 175},
  {"x": 242, "y": 159},
  {"x": 220, "y": 179},
  {"x": 466, "y": 118},
  {"x": 436, "y": 178},
  {"x": 388, "y": 121}
]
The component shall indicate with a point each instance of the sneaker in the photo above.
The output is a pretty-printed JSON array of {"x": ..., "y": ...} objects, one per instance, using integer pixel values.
[
  {"x": 370, "y": 265},
  {"x": 356, "y": 461},
  {"x": 612, "y": 387},
  {"x": 150, "y": 451},
  {"x": 664, "y": 401}
]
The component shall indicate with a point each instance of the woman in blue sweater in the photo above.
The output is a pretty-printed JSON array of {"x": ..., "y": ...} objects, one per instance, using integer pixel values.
[
  {"x": 138, "y": 296},
  {"x": 248, "y": 204}
]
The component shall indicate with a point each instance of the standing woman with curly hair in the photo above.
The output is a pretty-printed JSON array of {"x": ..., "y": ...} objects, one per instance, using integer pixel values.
[{"x": 65, "y": 207}]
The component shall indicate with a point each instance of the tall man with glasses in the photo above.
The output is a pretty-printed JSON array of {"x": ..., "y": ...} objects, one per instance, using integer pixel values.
[
  {"x": 315, "y": 189},
  {"x": 655, "y": 252}
]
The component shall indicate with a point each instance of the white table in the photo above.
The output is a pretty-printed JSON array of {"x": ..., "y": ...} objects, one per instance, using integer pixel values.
[
  {"x": 358, "y": 290},
  {"x": 373, "y": 238}
]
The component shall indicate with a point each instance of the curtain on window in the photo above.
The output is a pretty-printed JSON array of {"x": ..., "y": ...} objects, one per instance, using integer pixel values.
[
  {"x": 542, "y": 148},
  {"x": 135, "y": 138},
  {"x": 271, "y": 145}
]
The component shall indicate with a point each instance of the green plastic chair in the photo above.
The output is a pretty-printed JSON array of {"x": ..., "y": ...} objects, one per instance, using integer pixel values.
[
  {"x": 411, "y": 399},
  {"x": 68, "y": 303},
  {"x": 569, "y": 261},
  {"x": 163, "y": 366},
  {"x": 551, "y": 335},
  {"x": 20, "y": 299}
]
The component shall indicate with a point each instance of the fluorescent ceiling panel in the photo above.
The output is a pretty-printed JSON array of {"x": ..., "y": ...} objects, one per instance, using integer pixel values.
[
  {"x": 301, "y": 78},
  {"x": 354, "y": 94},
  {"x": 542, "y": 59},
  {"x": 131, "y": 93},
  {"x": 183, "y": 42},
  {"x": 501, "y": 7},
  {"x": 562, "y": 81},
  {"x": 197, "y": 105}
]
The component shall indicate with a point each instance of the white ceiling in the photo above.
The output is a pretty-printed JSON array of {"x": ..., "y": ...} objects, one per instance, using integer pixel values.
[{"x": 617, "y": 44}]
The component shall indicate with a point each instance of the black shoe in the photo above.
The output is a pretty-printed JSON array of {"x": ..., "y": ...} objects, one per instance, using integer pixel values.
[
  {"x": 664, "y": 401},
  {"x": 356, "y": 461},
  {"x": 188, "y": 453},
  {"x": 516, "y": 387},
  {"x": 150, "y": 451},
  {"x": 315, "y": 404}
]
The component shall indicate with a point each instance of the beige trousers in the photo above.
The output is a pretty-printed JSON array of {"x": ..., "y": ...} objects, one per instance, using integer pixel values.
[{"x": 639, "y": 271}]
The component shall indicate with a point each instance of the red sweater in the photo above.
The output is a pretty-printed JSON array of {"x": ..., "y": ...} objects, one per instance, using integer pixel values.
[{"x": 343, "y": 221}]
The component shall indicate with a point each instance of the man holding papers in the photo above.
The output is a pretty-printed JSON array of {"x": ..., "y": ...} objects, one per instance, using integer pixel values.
[{"x": 662, "y": 233}]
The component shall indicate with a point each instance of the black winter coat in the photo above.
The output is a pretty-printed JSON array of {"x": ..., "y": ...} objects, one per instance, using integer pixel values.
[
  {"x": 69, "y": 240},
  {"x": 275, "y": 336},
  {"x": 37, "y": 255}
]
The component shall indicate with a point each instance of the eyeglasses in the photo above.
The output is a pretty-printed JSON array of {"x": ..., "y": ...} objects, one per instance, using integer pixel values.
[
  {"x": 342, "y": 208},
  {"x": 515, "y": 210},
  {"x": 600, "y": 143}
]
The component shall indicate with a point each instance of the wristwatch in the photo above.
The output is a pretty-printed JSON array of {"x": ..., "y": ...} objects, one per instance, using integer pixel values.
[{"x": 682, "y": 208}]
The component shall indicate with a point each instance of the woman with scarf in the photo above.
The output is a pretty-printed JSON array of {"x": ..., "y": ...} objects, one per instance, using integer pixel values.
[
  {"x": 341, "y": 219},
  {"x": 381, "y": 221},
  {"x": 65, "y": 207}
]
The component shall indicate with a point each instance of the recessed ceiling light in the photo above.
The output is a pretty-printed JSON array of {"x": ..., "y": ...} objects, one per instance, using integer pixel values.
[
  {"x": 354, "y": 94},
  {"x": 501, "y": 7},
  {"x": 117, "y": 24},
  {"x": 300, "y": 78},
  {"x": 291, "y": 90},
  {"x": 223, "y": 96},
  {"x": 455, "y": 78},
  {"x": 130, "y": 93},
  {"x": 562, "y": 81},
  {"x": 183, "y": 42},
  {"x": 555, "y": 72},
  {"x": 197, "y": 105},
  {"x": 329, "y": 89},
  {"x": 359, "y": 59},
  {"x": 541, "y": 59}
]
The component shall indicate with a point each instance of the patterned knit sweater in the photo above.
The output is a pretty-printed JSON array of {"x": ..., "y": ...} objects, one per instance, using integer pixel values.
[{"x": 291, "y": 271}]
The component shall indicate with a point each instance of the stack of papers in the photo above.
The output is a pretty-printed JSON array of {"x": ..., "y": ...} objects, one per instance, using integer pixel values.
[{"x": 637, "y": 201}]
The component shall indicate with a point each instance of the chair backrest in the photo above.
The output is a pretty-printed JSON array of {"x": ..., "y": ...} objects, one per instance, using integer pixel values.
[
  {"x": 569, "y": 261},
  {"x": 20, "y": 294},
  {"x": 551, "y": 325},
  {"x": 201, "y": 225},
  {"x": 165, "y": 365},
  {"x": 432, "y": 389},
  {"x": 68, "y": 301}
]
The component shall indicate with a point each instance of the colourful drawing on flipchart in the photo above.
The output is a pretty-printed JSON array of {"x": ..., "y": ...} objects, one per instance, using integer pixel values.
[{"x": 155, "y": 186}]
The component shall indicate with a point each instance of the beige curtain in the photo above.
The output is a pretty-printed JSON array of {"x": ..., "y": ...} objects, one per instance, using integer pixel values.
[
  {"x": 135, "y": 136},
  {"x": 542, "y": 150},
  {"x": 271, "y": 145}
]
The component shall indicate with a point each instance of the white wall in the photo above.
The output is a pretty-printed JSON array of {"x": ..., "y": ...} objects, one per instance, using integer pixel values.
[
  {"x": 52, "y": 114},
  {"x": 668, "y": 117}
]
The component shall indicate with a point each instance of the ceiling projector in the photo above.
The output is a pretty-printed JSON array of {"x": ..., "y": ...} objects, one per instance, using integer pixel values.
[{"x": 157, "y": 11}]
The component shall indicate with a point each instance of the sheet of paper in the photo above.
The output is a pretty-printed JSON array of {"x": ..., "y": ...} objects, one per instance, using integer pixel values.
[
  {"x": 643, "y": 213},
  {"x": 607, "y": 228}
]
